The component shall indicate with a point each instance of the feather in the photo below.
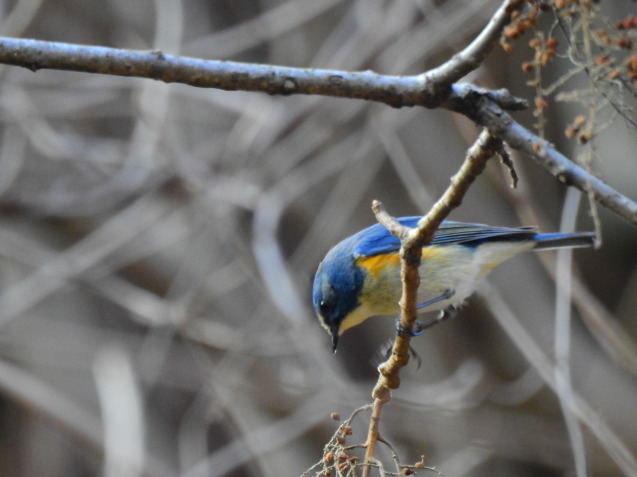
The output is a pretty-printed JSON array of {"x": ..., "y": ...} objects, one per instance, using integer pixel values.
[{"x": 376, "y": 240}]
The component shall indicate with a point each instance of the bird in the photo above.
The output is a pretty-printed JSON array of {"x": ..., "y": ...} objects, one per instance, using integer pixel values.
[{"x": 360, "y": 276}]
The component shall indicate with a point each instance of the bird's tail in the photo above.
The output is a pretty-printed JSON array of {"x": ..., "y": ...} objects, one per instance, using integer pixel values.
[{"x": 560, "y": 240}]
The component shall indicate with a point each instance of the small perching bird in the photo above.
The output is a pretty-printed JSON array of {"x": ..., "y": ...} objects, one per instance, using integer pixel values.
[{"x": 360, "y": 276}]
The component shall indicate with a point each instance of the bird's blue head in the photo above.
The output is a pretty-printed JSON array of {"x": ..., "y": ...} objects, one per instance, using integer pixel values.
[{"x": 337, "y": 286}]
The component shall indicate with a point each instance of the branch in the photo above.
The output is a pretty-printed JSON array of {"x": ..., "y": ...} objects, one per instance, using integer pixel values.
[
  {"x": 473, "y": 55},
  {"x": 412, "y": 241},
  {"x": 486, "y": 107},
  {"x": 501, "y": 124},
  {"x": 397, "y": 91}
]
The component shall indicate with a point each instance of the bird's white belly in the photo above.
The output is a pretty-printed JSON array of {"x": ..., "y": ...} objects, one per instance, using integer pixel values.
[{"x": 450, "y": 267}]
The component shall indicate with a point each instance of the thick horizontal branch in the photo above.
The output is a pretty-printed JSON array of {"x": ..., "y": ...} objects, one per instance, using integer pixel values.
[{"x": 396, "y": 91}]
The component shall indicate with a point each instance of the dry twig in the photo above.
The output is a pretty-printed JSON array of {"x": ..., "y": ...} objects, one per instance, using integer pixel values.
[{"x": 485, "y": 147}]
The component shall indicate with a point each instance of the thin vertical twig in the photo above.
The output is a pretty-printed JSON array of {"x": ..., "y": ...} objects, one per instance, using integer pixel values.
[
  {"x": 563, "y": 382},
  {"x": 412, "y": 241}
]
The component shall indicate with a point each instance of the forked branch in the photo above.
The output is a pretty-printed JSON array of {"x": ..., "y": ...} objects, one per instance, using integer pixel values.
[{"x": 412, "y": 241}]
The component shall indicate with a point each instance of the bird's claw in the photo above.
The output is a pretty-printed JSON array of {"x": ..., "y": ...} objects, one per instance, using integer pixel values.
[
  {"x": 412, "y": 353},
  {"x": 415, "y": 330}
]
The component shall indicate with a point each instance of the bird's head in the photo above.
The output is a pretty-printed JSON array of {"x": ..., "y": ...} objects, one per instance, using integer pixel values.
[{"x": 335, "y": 294}]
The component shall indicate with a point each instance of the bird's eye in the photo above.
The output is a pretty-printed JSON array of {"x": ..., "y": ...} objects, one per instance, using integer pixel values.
[{"x": 324, "y": 307}]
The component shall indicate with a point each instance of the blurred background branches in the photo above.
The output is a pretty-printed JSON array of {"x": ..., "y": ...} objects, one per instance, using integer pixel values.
[{"x": 158, "y": 242}]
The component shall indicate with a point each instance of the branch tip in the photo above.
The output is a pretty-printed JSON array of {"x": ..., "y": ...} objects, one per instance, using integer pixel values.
[{"x": 389, "y": 222}]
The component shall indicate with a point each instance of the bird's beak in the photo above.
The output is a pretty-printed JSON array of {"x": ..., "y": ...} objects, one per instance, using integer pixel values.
[{"x": 334, "y": 334}]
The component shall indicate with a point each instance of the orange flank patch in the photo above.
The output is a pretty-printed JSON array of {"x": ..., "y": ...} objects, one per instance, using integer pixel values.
[{"x": 377, "y": 264}]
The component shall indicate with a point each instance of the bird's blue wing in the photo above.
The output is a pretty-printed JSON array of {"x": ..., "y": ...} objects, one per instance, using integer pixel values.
[
  {"x": 376, "y": 240},
  {"x": 472, "y": 235}
]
